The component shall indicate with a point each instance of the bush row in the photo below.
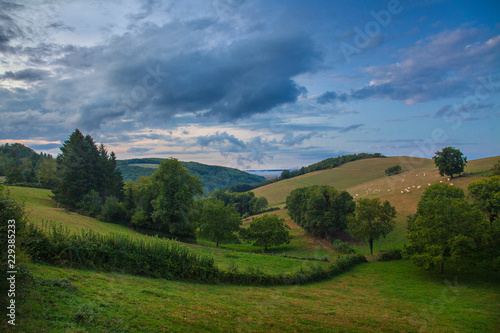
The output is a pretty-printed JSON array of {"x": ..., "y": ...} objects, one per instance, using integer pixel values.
[
  {"x": 156, "y": 257},
  {"x": 152, "y": 257}
]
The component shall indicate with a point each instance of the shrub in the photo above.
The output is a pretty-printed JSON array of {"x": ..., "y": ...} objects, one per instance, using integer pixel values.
[
  {"x": 114, "y": 211},
  {"x": 394, "y": 254},
  {"x": 91, "y": 204},
  {"x": 393, "y": 170},
  {"x": 342, "y": 247}
]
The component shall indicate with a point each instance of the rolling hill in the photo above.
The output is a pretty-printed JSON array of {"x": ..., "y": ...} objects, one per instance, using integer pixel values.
[
  {"x": 213, "y": 177},
  {"x": 351, "y": 176},
  {"x": 375, "y": 297}
]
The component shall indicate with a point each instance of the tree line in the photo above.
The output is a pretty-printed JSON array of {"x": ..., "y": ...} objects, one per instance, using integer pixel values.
[
  {"x": 22, "y": 165},
  {"x": 169, "y": 202}
]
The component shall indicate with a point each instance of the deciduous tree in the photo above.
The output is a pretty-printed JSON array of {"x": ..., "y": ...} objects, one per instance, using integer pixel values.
[
  {"x": 446, "y": 228},
  {"x": 372, "y": 220},
  {"x": 218, "y": 222},
  {"x": 486, "y": 195},
  {"x": 268, "y": 230},
  {"x": 450, "y": 161},
  {"x": 320, "y": 210},
  {"x": 173, "y": 189}
]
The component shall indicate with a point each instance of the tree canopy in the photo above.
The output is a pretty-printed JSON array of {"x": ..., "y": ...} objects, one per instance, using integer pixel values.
[
  {"x": 173, "y": 189},
  {"x": 319, "y": 209},
  {"x": 486, "y": 195},
  {"x": 450, "y": 161},
  {"x": 218, "y": 222},
  {"x": 372, "y": 220},
  {"x": 446, "y": 228},
  {"x": 82, "y": 167},
  {"x": 267, "y": 230}
]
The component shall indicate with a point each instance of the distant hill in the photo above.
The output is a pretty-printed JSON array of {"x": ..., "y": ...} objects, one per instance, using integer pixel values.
[
  {"x": 352, "y": 175},
  {"x": 213, "y": 177}
]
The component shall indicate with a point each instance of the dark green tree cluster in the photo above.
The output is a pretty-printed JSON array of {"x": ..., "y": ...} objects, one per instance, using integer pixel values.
[
  {"x": 84, "y": 169},
  {"x": 394, "y": 170},
  {"x": 22, "y": 165},
  {"x": 221, "y": 222},
  {"x": 164, "y": 201},
  {"x": 447, "y": 229},
  {"x": 320, "y": 210},
  {"x": 246, "y": 203}
]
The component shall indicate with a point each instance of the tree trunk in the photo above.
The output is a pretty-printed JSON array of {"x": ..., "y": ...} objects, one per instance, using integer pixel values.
[
  {"x": 371, "y": 245},
  {"x": 441, "y": 268}
]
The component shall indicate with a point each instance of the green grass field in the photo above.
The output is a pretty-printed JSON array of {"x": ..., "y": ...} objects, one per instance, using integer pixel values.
[
  {"x": 41, "y": 208},
  {"x": 373, "y": 297}
]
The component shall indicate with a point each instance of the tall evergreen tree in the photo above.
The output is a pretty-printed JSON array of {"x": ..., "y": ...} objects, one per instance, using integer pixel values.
[{"x": 82, "y": 167}]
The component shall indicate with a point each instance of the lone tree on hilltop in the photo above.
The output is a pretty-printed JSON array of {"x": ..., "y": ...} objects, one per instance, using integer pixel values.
[
  {"x": 373, "y": 219},
  {"x": 450, "y": 161}
]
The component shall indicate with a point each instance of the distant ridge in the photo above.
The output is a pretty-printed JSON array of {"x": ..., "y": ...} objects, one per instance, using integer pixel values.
[{"x": 213, "y": 177}]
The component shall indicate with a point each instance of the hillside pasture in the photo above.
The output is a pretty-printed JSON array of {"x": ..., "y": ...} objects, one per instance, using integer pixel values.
[
  {"x": 375, "y": 297},
  {"x": 41, "y": 207},
  {"x": 345, "y": 176}
]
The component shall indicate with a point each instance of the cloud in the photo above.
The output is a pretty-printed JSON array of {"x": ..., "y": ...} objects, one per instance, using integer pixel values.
[
  {"x": 221, "y": 138},
  {"x": 292, "y": 140},
  {"x": 331, "y": 97},
  {"x": 439, "y": 66},
  {"x": 351, "y": 128},
  {"x": 28, "y": 75},
  {"x": 461, "y": 111}
]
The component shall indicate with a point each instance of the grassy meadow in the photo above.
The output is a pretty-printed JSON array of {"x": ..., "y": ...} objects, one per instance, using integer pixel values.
[{"x": 373, "y": 297}]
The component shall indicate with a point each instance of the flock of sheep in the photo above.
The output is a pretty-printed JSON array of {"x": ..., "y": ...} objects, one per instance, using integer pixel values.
[{"x": 405, "y": 190}]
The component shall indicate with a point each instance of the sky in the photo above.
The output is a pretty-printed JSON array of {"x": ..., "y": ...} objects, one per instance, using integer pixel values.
[{"x": 250, "y": 84}]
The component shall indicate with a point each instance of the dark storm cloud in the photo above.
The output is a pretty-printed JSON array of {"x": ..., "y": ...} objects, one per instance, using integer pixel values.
[{"x": 229, "y": 82}]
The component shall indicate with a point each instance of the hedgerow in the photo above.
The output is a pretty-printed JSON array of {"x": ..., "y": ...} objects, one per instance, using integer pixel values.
[{"x": 155, "y": 257}]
